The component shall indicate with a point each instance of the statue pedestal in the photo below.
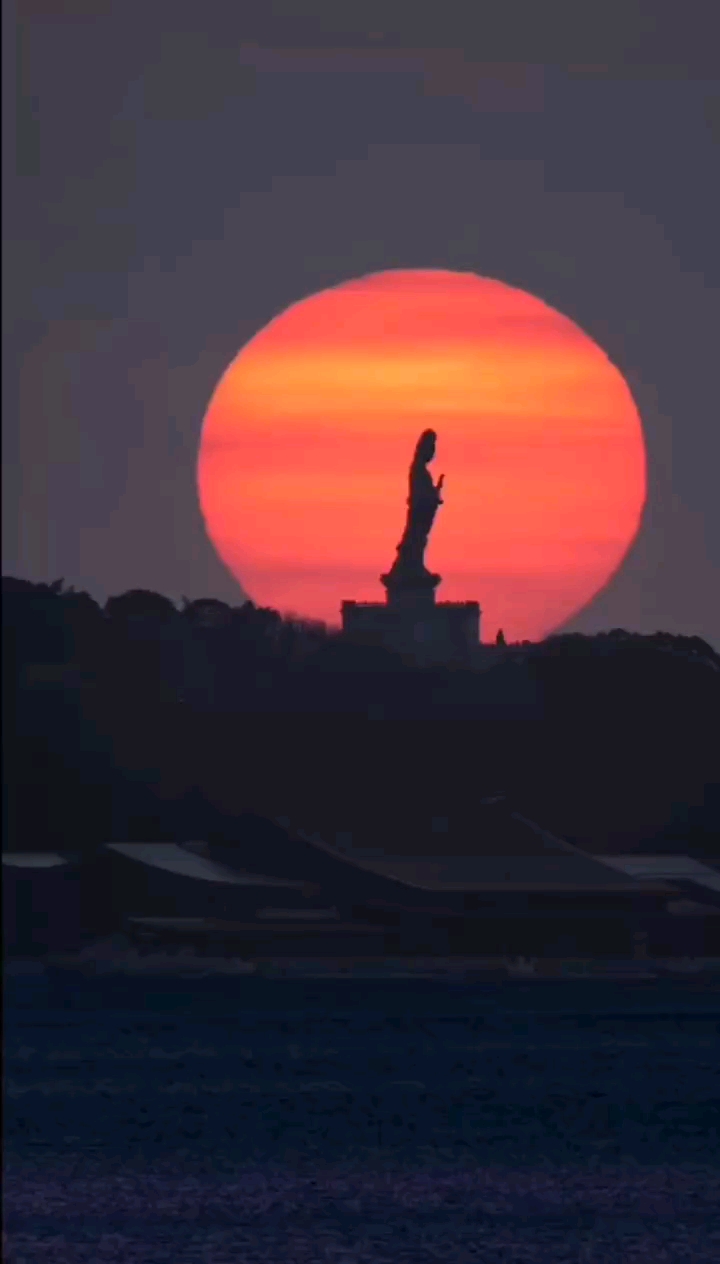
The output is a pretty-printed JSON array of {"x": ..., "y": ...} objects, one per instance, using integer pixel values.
[
  {"x": 410, "y": 591},
  {"x": 413, "y": 624}
]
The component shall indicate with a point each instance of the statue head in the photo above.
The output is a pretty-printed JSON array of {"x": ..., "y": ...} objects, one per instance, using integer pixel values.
[{"x": 425, "y": 450}]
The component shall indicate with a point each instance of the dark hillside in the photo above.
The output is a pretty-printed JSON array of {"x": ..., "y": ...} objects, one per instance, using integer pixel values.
[{"x": 111, "y": 716}]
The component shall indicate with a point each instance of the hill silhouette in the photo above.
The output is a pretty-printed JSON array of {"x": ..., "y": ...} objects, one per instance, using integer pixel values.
[{"x": 113, "y": 715}]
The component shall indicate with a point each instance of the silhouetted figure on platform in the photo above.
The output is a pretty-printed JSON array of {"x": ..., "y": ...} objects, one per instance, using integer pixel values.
[{"x": 409, "y": 570}]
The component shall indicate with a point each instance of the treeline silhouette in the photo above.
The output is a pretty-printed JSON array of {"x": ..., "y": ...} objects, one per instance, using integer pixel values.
[{"x": 114, "y": 715}]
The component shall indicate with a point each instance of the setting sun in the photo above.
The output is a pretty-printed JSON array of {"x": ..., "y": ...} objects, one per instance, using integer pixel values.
[{"x": 308, "y": 437}]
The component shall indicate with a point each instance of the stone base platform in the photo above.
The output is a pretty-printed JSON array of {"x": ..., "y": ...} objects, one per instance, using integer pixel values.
[{"x": 430, "y": 632}]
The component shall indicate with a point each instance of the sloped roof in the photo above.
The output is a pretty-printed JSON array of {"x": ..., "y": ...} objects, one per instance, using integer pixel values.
[
  {"x": 510, "y": 853},
  {"x": 671, "y": 867},
  {"x": 175, "y": 859},
  {"x": 488, "y": 829},
  {"x": 292, "y": 853},
  {"x": 498, "y": 850},
  {"x": 476, "y": 873},
  {"x": 32, "y": 859},
  {"x": 692, "y": 908}
]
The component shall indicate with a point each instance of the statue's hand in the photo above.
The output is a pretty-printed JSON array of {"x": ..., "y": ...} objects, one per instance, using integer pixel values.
[{"x": 438, "y": 485}]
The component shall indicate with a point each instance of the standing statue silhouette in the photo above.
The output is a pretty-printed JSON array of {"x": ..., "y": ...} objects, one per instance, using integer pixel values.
[{"x": 409, "y": 570}]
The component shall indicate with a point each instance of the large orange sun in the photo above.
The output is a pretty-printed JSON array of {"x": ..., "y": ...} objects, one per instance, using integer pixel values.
[{"x": 308, "y": 438}]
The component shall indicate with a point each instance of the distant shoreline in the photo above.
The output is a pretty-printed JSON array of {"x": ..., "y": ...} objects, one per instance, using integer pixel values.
[{"x": 103, "y": 961}]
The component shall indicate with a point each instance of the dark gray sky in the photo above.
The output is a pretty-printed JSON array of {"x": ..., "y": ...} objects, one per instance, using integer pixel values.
[{"x": 177, "y": 173}]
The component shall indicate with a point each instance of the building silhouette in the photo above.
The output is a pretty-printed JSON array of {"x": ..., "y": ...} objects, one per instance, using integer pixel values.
[{"x": 265, "y": 891}]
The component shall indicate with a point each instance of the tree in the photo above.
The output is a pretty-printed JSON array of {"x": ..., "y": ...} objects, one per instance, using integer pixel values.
[
  {"x": 34, "y": 629},
  {"x": 85, "y": 624},
  {"x": 207, "y": 612},
  {"x": 139, "y": 606}
]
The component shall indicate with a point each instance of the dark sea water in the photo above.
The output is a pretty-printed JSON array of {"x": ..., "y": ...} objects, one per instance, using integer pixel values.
[{"x": 232, "y": 1120}]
